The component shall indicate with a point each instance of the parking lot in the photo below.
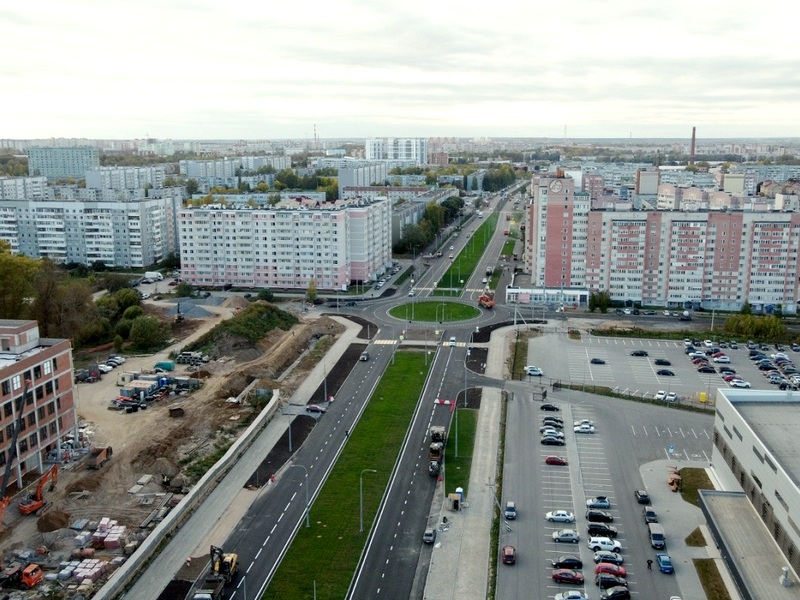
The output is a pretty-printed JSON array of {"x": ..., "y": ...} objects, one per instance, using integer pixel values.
[{"x": 569, "y": 361}]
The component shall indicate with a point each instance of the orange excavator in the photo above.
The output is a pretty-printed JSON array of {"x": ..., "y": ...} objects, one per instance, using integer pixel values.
[
  {"x": 12, "y": 452},
  {"x": 34, "y": 503}
]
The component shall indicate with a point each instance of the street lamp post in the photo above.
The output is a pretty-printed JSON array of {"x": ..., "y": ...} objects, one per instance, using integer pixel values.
[
  {"x": 412, "y": 299},
  {"x": 308, "y": 521},
  {"x": 361, "y": 497}
]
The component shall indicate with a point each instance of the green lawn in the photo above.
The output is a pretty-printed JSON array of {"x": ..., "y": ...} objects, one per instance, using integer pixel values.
[
  {"x": 464, "y": 264},
  {"x": 329, "y": 550},
  {"x": 434, "y": 312},
  {"x": 508, "y": 248},
  {"x": 456, "y": 470}
]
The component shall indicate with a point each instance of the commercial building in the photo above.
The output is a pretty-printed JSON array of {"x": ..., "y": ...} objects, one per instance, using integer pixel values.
[
  {"x": 36, "y": 392},
  {"x": 287, "y": 245},
  {"x": 62, "y": 163},
  {"x": 714, "y": 259}
]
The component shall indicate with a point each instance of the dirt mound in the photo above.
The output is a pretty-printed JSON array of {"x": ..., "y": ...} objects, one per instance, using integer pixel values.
[
  {"x": 146, "y": 459},
  {"x": 55, "y": 519},
  {"x": 90, "y": 483},
  {"x": 235, "y": 302},
  {"x": 164, "y": 466}
]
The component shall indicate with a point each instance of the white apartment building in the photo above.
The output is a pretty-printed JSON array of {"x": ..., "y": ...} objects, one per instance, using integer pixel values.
[
  {"x": 287, "y": 245},
  {"x": 226, "y": 167},
  {"x": 125, "y": 178},
  {"x": 411, "y": 150},
  {"x": 12, "y": 188},
  {"x": 363, "y": 175},
  {"x": 135, "y": 233},
  {"x": 61, "y": 163}
]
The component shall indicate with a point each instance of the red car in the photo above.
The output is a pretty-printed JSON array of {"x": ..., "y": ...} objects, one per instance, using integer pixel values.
[
  {"x": 611, "y": 569},
  {"x": 509, "y": 555},
  {"x": 567, "y": 576},
  {"x": 555, "y": 460},
  {"x": 730, "y": 377}
]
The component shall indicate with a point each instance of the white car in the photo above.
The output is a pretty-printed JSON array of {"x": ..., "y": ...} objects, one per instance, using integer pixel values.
[
  {"x": 672, "y": 397},
  {"x": 666, "y": 313},
  {"x": 553, "y": 432},
  {"x": 105, "y": 368},
  {"x": 583, "y": 422},
  {"x": 145, "y": 296},
  {"x": 566, "y": 535},
  {"x": 722, "y": 359},
  {"x": 583, "y": 429},
  {"x": 697, "y": 355},
  {"x": 411, "y": 293},
  {"x": 603, "y": 543},
  {"x": 562, "y": 516},
  {"x": 571, "y": 595},
  {"x": 661, "y": 395},
  {"x": 708, "y": 344},
  {"x": 738, "y": 383},
  {"x": 117, "y": 358},
  {"x": 533, "y": 371}
]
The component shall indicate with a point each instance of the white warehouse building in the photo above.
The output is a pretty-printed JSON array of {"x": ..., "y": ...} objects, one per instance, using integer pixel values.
[{"x": 287, "y": 245}]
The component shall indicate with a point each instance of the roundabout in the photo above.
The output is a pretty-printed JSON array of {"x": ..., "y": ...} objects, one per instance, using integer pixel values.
[{"x": 428, "y": 311}]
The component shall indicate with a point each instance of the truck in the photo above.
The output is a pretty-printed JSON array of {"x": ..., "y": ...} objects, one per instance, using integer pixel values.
[
  {"x": 21, "y": 576},
  {"x": 98, "y": 456},
  {"x": 434, "y": 468},
  {"x": 486, "y": 300},
  {"x": 436, "y": 452},
  {"x": 489, "y": 271},
  {"x": 154, "y": 276},
  {"x": 211, "y": 589},
  {"x": 438, "y": 433}
]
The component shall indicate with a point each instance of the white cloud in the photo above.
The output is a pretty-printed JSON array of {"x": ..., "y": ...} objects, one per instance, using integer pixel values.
[{"x": 205, "y": 69}]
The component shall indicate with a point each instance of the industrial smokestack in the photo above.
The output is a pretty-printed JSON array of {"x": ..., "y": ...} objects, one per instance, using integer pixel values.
[{"x": 691, "y": 148}]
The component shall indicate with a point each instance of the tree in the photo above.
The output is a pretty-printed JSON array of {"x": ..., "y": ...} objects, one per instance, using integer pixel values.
[
  {"x": 115, "y": 282},
  {"x": 107, "y": 306},
  {"x": 311, "y": 292},
  {"x": 266, "y": 295},
  {"x": 746, "y": 309},
  {"x": 147, "y": 333},
  {"x": 132, "y": 312},
  {"x": 127, "y": 297},
  {"x": 16, "y": 279},
  {"x": 184, "y": 290},
  {"x": 99, "y": 266},
  {"x": 191, "y": 187}
]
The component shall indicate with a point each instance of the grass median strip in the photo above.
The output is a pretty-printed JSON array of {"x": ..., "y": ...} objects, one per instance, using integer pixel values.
[
  {"x": 457, "y": 469},
  {"x": 327, "y": 553}
]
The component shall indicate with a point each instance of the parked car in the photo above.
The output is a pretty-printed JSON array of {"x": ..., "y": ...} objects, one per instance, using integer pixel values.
[
  {"x": 619, "y": 592},
  {"x": 639, "y": 353},
  {"x": 642, "y": 497},
  {"x": 316, "y": 408},
  {"x": 429, "y": 536},
  {"x": 721, "y": 359},
  {"x": 603, "y": 543},
  {"x": 548, "y": 406},
  {"x": 567, "y": 576},
  {"x": 738, "y": 383},
  {"x": 601, "y": 529},
  {"x": 552, "y": 441},
  {"x": 595, "y": 515},
  {"x": 662, "y": 362},
  {"x": 611, "y": 569},
  {"x": 650, "y": 515},
  {"x": 561, "y": 516},
  {"x": 566, "y": 535},
  {"x": 509, "y": 555},
  {"x": 671, "y": 397},
  {"x": 551, "y": 427},
  {"x": 533, "y": 371},
  {"x": 598, "y": 502},
  {"x": 606, "y": 580},
  {"x": 555, "y": 460},
  {"x": 665, "y": 373},
  {"x": 605, "y": 556},
  {"x": 103, "y": 368},
  {"x": 567, "y": 561},
  {"x": 597, "y": 361},
  {"x": 552, "y": 419},
  {"x": 571, "y": 595},
  {"x": 660, "y": 395},
  {"x": 584, "y": 429},
  {"x": 664, "y": 563},
  {"x": 706, "y": 369}
]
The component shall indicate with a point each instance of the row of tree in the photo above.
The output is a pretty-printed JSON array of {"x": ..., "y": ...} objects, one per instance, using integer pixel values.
[{"x": 418, "y": 236}]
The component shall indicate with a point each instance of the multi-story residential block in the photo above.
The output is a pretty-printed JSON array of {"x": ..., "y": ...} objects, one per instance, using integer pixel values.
[
  {"x": 718, "y": 259},
  {"x": 410, "y": 150},
  {"x": 12, "y": 188},
  {"x": 36, "y": 388},
  {"x": 287, "y": 245},
  {"x": 226, "y": 167},
  {"x": 593, "y": 185},
  {"x": 126, "y": 178},
  {"x": 61, "y": 163},
  {"x": 135, "y": 233},
  {"x": 366, "y": 174}
]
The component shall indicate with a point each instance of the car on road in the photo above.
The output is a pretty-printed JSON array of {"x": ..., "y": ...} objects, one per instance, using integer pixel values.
[
  {"x": 509, "y": 555},
  {"x": 642, "y": 497},
  {"x": 597, "y": 361},
  {"x": 555, "y": 460},
  {"x": 738, "y": 383},
  {"x": 606, "y": 580},
  {"x": 601, "y": 529},
  {"x": 664, "y": 563},
  {"x": 603, "y": 556},
  {"x": 584, "y": 429},
  {"x": 552, "y": 441},
  {"x": 595, "y": 515},
  {"x": 569, "y": 536},
  {"x": 411, "y": 293},
  {"x": 671, "y": 397},
  {"x": 598, "y": 502},
  {"x": 639, "y": 353},
  {"x": 662, "y": 362},
  {"x": 567, "y": 561},
  {"x": 561, "y": 516},
  {"x": 567, "y": 576},
  {"x": 619, "y": 592},
  {"x": 603, "y": 543},
  {"x": 429, "y": 536},
  {"x": 350, "y": 303},
  {"x": 548, "y": 406},
  {"x": 316, "y": 408},
  {"x": 571, "y": 595},
  {"x": 660, "y": 395},
  {"x": 611, "y": 569},
  {"x": 706, "y": 369},
  {"x": 649, "y": 515},
  {"x": 665, "y": 373},
  {"x": 533, "y": 371}
]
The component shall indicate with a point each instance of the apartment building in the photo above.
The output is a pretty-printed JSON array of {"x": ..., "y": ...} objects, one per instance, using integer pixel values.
[
  {"x": 409, "y": 150},
  {"x": 675, "y": 258},
  {"x": 286, "y": 245},
  {"x": 12, "y": 188},
  {"x": 135, "y": 233},
  {"x": 36, "y": 392},
  {"x": 62, "y": 163},
  {"x": 363, "y": 175},
  {"x": 125, "y": 178}
]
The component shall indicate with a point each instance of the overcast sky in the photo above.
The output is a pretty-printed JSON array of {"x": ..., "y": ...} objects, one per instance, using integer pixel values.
[{"x": 357, "y": 68}]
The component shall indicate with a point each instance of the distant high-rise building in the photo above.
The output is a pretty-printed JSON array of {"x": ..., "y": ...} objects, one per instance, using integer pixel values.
[
  {"x": 411, "y": 150},
  {"x": 62, "y": 163}
]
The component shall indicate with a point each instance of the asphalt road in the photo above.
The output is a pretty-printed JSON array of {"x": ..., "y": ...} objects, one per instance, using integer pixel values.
[{"x": 605, "y": 463}]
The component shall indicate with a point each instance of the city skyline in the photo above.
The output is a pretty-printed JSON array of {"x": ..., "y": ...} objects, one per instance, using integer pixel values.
[{"x": 199, "y": 70}]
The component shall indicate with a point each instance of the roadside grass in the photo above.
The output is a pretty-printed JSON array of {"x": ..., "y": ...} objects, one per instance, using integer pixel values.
[
  {"x": 327, "y": 553},
  {"x": 696, "y": 539},
  {"x": 463, "y": 265},
  {"x": 508, "y": 248},
  {"x": 434, "y": 312},
  {"x": 457, "y": 470},
  {"x": 711, "y": 580},
  {"x": 693, "y": 479}
]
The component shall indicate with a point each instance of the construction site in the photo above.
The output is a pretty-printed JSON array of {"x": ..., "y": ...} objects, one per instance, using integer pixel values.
[{"x": 74, "y": 524}]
